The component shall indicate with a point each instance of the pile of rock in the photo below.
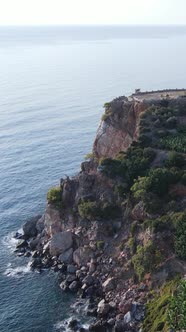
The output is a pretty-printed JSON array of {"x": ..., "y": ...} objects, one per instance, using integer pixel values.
[{"x": 86, "y": 271}]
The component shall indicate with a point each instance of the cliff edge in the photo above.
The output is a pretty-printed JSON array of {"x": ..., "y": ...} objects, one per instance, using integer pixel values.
[{"x": 116, "y": 232}]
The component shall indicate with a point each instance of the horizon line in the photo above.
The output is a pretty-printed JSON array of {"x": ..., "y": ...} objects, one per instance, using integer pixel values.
[{"x": 96, "y": 25}]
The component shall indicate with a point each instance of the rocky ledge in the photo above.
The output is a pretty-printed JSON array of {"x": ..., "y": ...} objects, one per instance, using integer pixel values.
[{"x": 111, "y": 232}]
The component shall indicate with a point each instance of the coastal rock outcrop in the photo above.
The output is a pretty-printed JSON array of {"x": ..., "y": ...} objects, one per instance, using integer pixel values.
[
  {"x": 116, "y": 230},
  {"x": 119, "y": 127}
]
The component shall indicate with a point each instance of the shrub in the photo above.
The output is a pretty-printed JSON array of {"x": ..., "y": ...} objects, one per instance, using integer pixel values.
[
  {"x": 149, "y": 153},
  {"x": 144, "y": 140},
  {"x": 157, "y": 182},
  {"x": 105, "y": 116},
  {"x": 92, "y": 210},
  {"x": 179, "y": 221},
  {"x": 175, "y": 159},
  {"x": 177, "y": 308},
  {"x": 54, "y": 195},
  {"x": 156, "y": 319},
  {"x": 146, "y": 259},
  {"x": 176, "y": 142},
  {"x": 100, "y": 245},
  {"x": 88, "y": 210},
  {"x": 89, "y": 155},
  {"x": 183, "y": 179},
  {"x": 160, "y": 179},
  {"x": 161, "y": 224},
  {"x": 171, "y": 122},
  {"x": 161, "y": 133},
  {"x": 111, "y": 167}
]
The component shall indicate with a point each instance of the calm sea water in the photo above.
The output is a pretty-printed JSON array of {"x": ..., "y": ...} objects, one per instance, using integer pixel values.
[{"x": 53, "y": 83}]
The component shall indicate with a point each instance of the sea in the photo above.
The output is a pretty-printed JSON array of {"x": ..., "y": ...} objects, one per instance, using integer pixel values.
[{"x": 54, "y": 82}]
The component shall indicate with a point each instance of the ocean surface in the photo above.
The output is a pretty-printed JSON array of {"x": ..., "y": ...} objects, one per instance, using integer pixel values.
[{"x": 53, "y": 83}]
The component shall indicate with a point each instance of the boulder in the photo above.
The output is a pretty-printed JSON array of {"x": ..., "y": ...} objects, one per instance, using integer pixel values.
[
  {"x": 74, "y": 286},
  {"x": 40, "y": 224},
  {"x": 34, "y": 243},
  {"x": 73, "y": 324},
  {"x": 66, "y": 257},
  {"x": 60, "y": 243},
  {"x": 88, "y": 280},
  {"x": 36, "y": 263},
  {"x": 52, "y": 221},
  {"x": 128, "y": 317},
  {"x": 22, "y": 244},
  {"x": 82, "y": 256},
  {"x": 108, "y": 285},
  {"x": 125, "y": 306},
  {"x": 29, "y": 228},
  {"x": 70, "y": 278},
  {"x": 64, "y": 286},
  {"x": 103, "y": 308},
  {"x": 98, "y": 326},
  {"x": 71, "y": 269}
]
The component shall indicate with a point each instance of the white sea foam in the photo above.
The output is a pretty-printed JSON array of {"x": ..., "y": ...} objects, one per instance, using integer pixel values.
[
  {"x": 18, "y": 271},
  {"x": 9, "y": 241},
  {"x": 63, "y": 325}
]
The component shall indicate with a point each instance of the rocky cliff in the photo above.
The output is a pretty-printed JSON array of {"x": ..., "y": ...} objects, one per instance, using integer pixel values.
[
  {"x": 119, "y": 127},
  {"x": 116, "y": 231}
]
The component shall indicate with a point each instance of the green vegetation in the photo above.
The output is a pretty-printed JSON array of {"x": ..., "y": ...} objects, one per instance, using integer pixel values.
[
  {"x": 54, "y": 195},
  {"x": 88, "y": 210},
  {"x": 100, "y": 245},
  {"x": 175, "y": 142},
  {"x": 108, "y": 111},
  {"x": 128, "y": 166},
  {"x": 157, "y": 182},
  {"x": 157, "y": 309},
  {"x": 180, "y": 234},
  {"x": 175, "y": 159},
  {"x": 93, "y": 210},
  {"x": 146, "y": 259},
  {"x": 89, "y": 155},
  {"x": 177, "y": 308}
]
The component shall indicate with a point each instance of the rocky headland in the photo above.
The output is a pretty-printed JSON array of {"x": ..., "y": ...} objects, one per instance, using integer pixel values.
[{"x": 116, "y": 232}]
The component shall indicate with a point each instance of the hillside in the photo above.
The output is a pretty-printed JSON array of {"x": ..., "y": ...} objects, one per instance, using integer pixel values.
[{"x": 116, "y": 232}]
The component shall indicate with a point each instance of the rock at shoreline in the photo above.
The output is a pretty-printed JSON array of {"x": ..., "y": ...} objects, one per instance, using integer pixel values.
[
  {"x": 82, "y": 256},
  {"x": 66, "y": 257},
  {"x": 22, "y": 244},
  {"x": 108, "y": 285},
  {"x": 60, "y": 243},
  {"x": 29, "y": 228},
  {"x": 103, "y": 308}
]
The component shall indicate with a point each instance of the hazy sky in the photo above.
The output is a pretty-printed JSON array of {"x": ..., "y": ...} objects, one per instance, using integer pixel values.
[{"x": 37, "y": 12}]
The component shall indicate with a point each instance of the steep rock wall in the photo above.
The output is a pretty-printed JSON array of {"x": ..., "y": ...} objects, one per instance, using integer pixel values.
[{"x": 119, "y": 127}]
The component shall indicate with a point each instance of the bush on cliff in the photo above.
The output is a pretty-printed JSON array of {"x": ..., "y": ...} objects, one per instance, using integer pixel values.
[
  {"x": 54, "y": 195},
  {"x": 146, "y": 259},
  {"x": 179, "y": 221},
  {"x": 158, "y": 182},
  {"x": 175, "y": 142},
  {"x": 177, "y": 308},
  {"x": 175, "y": 159},
  {"x": 157, "y": 313},
  {"x": 94, "y": 210},
  {"x": 88, "y": 210},
  {"x": 135, "y": 162}
]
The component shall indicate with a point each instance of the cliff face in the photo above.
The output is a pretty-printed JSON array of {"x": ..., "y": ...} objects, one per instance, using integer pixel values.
[
  {"x": 118, "y": 128},
  {"x": 119, "y": 224}
]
